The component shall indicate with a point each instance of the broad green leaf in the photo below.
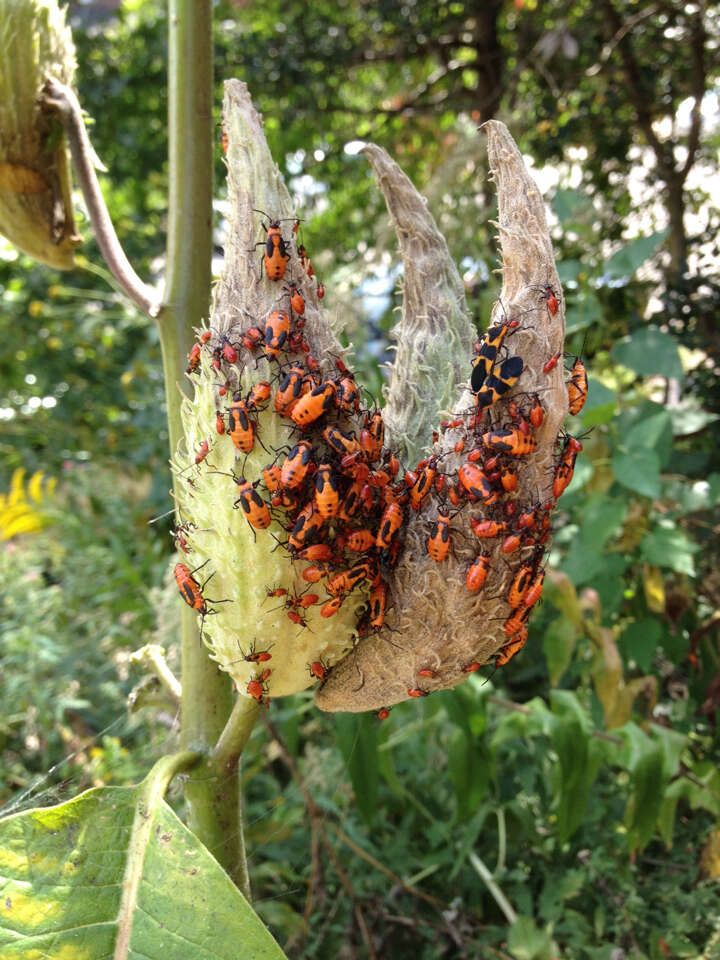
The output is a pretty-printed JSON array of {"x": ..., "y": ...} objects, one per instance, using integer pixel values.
[
  {"x": 649, "y": 352},
  {"x": 569, "y": 270},
  {"x": 602, "y": 518},
  {"x": 668, "y": 546},
  {"x": 688, "y": 496},
  {"x": 558, "y": 889},
  {"x": 644, "y": 805},
  {"x": 627, "y": 259},
  {"x": 469, "y": 767},
  {"x": 585, "y": 312},
  {"x": 582, "y": 562},
  {"x": 635, "y": 744},
  {"x": 558, "y": 646},
  {"x": 357, "y": 738},
  {"x": 638, "y": 470},
  {"x": 714, "y": 484},
  {"x": 689, "y": 417},
  {"x": 579, "y": 765},
  {"x": 649, "y": 431},
  {"x": 572, "y": 206},
  {"x": 639, "y": 641},
  {"x": 600, "y": 405},
  {"x": 115, "y": 873},
  {"x": 526, "y": 942},
  {"x": 566, "y": 705}
]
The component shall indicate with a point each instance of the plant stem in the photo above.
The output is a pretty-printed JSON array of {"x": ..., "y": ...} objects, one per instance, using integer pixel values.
[{"x": 212, "y": 795}]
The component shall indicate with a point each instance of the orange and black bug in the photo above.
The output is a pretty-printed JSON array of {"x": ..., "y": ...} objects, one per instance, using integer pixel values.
[
  {"x": 417, "y": 692},
  {"x": 487, "y": 528},
  {"x": 346, "y": 580},
  {"x": 318, "y": 670},
  {"x": 535, "y": 590},
  {"x": 254, "y": 507},
  {"x": 536, "y": 414},
  {"x": 252, "y": 337},
  {"x": 390, "y": 523},
  {"x": 261, "y": 656},
  {"x": 577, "y": 387},
  {"x": 508, "y": 479},
  {"x": 550, "y": 299},
  {"x": 193, "y": 358},
  {"x": 296, "y": 465},
  {"x": 318, "y": 553},
  {"x": 360, "y": 541},
  {"x": 512, "y": 647},
  {"x": 219, "y": 422},
  {"x": 487, "y": 354},
  {"x": 477, "y": 572},
  {"x": 202, "y": 452},
  {"x": 242, "y": 428},
  {"x": 289, "y": 391},
  {"x": 257, "y": 688},
  {"x": 327, "y": 498},
  {"x": 438, "y": 543},
  {"x": 520, "y": 584},
  {"x": 315, "y": 404},
  {"x": 272, "y": 476},
  {"x": 348, "y": 394},
  {"x": 477, "y": 483},
  {"x": 307, "y": 525},
  {"x": 296, "y": 300},
  {"x": 511, "y": 543},
  {"x": 499, "y": 382},
  {"x": 228, "y": 350},
  {"x": 472, "y": 667},
  {"x": 315, "y": 573},
  {"x": 277, "y": 328},
  {"x": 275, "y": 258},
  {"x": 552, "y": 362},
  {"x": 305, "y": 261},
  {"x": 376, "y": 428},
  {"x": 190, "y": 589},
  {"x": 566, "y": 466},
  {"x": 341, "y": 442},
  {"x": 423, "y": 483},
  {"x": 378, "y": 601},
  {"x": 516, "y": 622},
  {"x": 330, "y": 608},
  {"x": 352, "y": 500},
  {"x": 259, "y": 395},
  {"x": 512, "y": 442}
]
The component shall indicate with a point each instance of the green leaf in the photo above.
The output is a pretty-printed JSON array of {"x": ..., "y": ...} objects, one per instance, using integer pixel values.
[
  {"x": 586, "y": 312},
  {"x": 357, "y": 738},
  {"x": 639, "y": 641},
  {"x": 600, "y": 405},
  {"x": 625, "y": 261},
  {"x": 526, "y": 942},
  {"x": 689, "y": 417},
  {"x": 558, "y": 646},
  {"x": 649, "y": 431},
  {"x": 582, "y": 562},
  {"x": 649, "y": 352},
  {"x": 638, "y": 470},
  {"x": 601, "y": 519},
  {"x": 115, "y": 873},
  {"x": 646, "y": 799},
  {"x": 469, "y": 768},
  {"x": 571, "y": 206},
  {"x": 578, "y": 769},
  {"x": 668, "y": 546}
]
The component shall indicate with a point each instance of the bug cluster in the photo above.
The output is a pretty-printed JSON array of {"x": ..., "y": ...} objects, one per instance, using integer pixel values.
[{"x": 336, "y": 498}]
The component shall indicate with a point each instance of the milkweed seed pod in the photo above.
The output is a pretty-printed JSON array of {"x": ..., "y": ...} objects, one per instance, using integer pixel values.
[{"x": 35, "y": 187}]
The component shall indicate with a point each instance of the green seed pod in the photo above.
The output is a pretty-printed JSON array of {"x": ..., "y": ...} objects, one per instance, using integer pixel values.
[{"x": 35, "y": 187}]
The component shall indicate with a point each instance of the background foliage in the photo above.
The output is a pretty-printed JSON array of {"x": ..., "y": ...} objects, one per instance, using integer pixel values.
[{"x": 583, "y": 776}]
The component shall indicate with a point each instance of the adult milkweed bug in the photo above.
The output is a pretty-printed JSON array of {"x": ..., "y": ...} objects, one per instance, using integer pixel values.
[
  {"x": 277, "y": 329},
  {"x": 257, "y": 512},
  {"x": 512, "y": 442},
  {"x": 519, "y": 585},
  {"x": 275, "y": 258},
  {"x": 516, "y": 622},
  {"x": 499, "y": 382},
  {"x": 307, "y": 525},
  {"x": 341, "y": 442},
  {"x": 487, "y": 354},
  {"x": 290, "y": 390},
  {"x": 423, "y": 483},
  {"x": 477, "y": 572},
  {"x": 315, "y": 404},
  {"x": 346, "y": 580},
  {"x": 577, "y": 387},
  {"x": 296, "y": 465},
  {"x": 190, "y": 589},
  {"x": 438, "y": 543},
  {"x": 550, "y": 299},
  {"x": 327, "y": 498}
]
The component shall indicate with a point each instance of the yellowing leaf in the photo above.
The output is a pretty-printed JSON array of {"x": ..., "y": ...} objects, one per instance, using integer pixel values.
[
  {"x": 710, "y": 856},
  {"x": 654, "y": 587}
]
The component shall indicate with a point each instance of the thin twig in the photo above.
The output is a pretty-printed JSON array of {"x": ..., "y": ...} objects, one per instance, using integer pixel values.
[
  {"x": 492, "y": 886},
  {"x": 60, "y": 98}
]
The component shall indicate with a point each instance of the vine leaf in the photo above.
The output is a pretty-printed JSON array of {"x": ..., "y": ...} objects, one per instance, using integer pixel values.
[{"x": 115, "y": 873}]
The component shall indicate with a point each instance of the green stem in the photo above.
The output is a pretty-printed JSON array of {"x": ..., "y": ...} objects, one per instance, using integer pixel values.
[{"x": 212, "y": 795}]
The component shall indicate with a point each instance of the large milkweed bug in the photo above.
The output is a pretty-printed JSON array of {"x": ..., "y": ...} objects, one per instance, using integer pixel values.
[
  {"x": 551, "y": 363},
  {"x": 348, "y": 394},
  {"x": 332, "y": 606},
  {"x": 520, "y": 584},
  {"x": 327, "y": 498},
  {"x": 277, "y": 329},
  {"x": 438, "y": 543},
  {"x": 307, "y": 525},
  {"x": 423, "y": 483},
  {"x": 378, "y": 601},
  {"x": 360, "y": 541},
  {"x": 535, "y": 590},
  {"x": 516, "y": 622},
  {"x": 194, "y": 358},
  {"x": 513, "y": 646},
  {"x": 315, "y": 404},
  {"x": 290, "y": 390},
  {"x": 341, "y": 442},
  {"x": 390, "y": 523},
  {"x": 536, "y": 414},
  {"x": 317, "y": 553},
  {"x": 577, "y": 387},
  {"x": 254, "y": 507},
  {"x": 346, "y": 580},
  {"x": 190, "y": 589},
  {"x": 487, "y": 354},
  {"x": 477, "y": 483},
  {"x": 296, "y": 465},
  {"x": 512, "y": 442},
  {"x": 566, "y": 466},
  {"x": 275, "y": 258},
  {"x": 477, "y": 572},
  {"x": 242, "y": 430},
  {"x": 499, "y": 382},
  {"x": 296, "y": 300}
]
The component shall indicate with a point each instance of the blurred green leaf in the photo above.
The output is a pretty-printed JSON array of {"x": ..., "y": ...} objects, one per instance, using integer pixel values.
[
  {"x": 558, "y": 645},
  {"x": 572, "y": 206},
  {"x": 646, "y": 798},
  {"x": 638, "y": 470},
  {"x": 627, "y": 259},
  {"x": 357, "y": 736},
  {"x": 600, "y": 405},
  {"x": 469, "y": 767},
  {"x": 649, "y": 352},
  {"x": 639, "y": 641},
  {"x": 602, "y": 518},
  {"x": 689, "y": 417},
  {"x": 668, "y": 546},
  {"x": 585, "y": 312},
  {"x": 526, "y": 942}
]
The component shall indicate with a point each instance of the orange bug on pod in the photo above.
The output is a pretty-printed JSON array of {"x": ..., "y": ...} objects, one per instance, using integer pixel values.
[
  {"x": 477, "y": 483},
  {"x": 318, "y": 670},
  {"x": 487, "y": 528},
  {"x": 277, "y": 330},
  {"x": 307, "y": 525},
  {"x": 194, "y": 358},
  {"x": 330, "y": 608},
  {"x": 315, "y": 404},
  {"x": 378, "y": 601},
  {"x": 327, "y": 499},
  {"x": 477, "y": 572},
  {"x": 296, "y": 465},
  {"x": 242, "y": 430},
  {"x": 390, "y": 523},
  {"x": 417, "y": 692},
  {"x": 275, "y": 258},
  {"x": 519, "y": 585},
  {"x": 341, "y": 442},
  {"x": 577, "y": 387},
  {"x": 438, "y": 543},
  {"x": 259, "y": 395},
  {"x": 512, "y": 442},
  {"x": 289, "y": 391},
  {"x": 423, "y": 484},
  {"x": 550, "y": 299},
  {"x": 510, "y": 649},
  {"x": 360, "y": 541},
  {"x": 296, "y": 300}
]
